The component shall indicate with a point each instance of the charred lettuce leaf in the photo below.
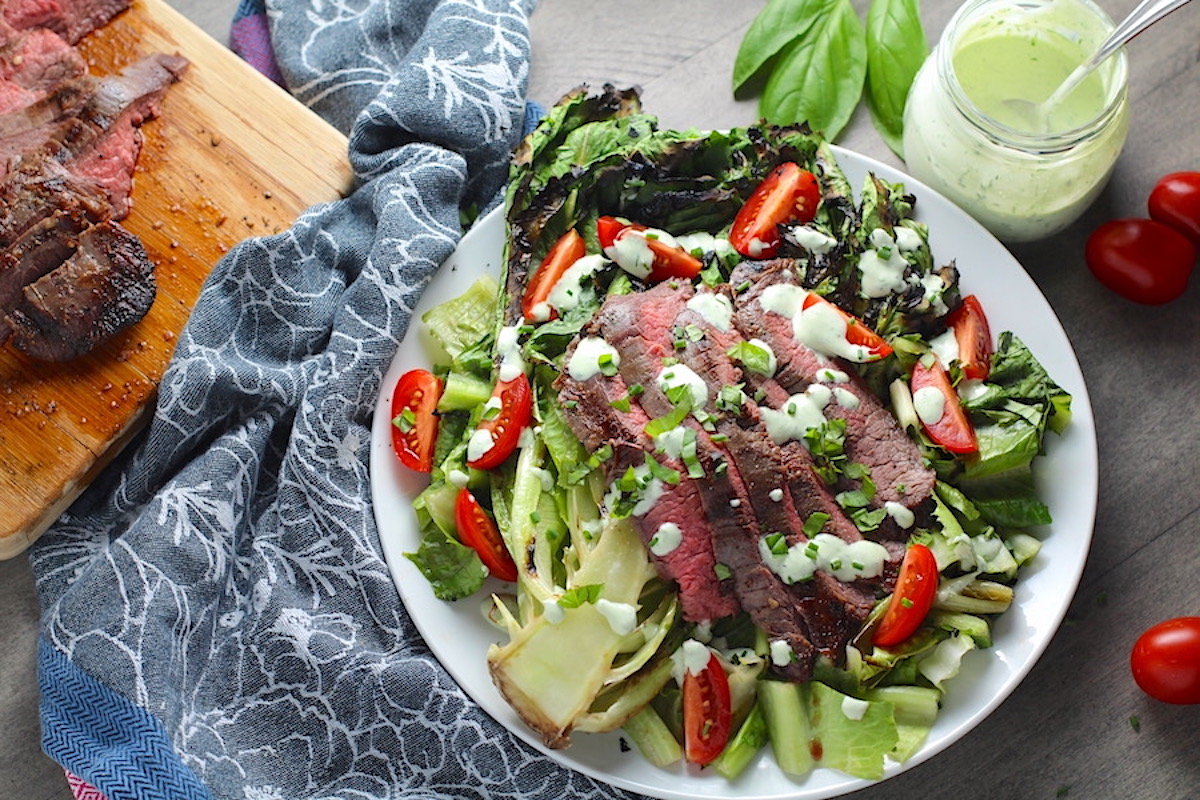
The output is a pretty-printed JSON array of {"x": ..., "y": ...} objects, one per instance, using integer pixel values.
[{"x": 601, "y": 155}]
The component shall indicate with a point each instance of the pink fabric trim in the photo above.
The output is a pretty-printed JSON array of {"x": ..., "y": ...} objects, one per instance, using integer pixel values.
[
  {"x": 250, "y": 38},
  {"x": 81, "y": 789}
]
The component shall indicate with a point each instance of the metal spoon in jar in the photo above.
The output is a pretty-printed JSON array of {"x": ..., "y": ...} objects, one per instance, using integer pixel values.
[{"x": 1146, "y": 14}]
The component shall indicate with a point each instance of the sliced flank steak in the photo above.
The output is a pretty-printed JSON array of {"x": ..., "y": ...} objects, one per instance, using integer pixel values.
[
  {"x": 784, "y": 490},
  {"x": 605, "y": 416},
  {"x": 102, "y": 142},
  {"x": 71, "y": 19},
  {"x": 873, "y": 438},
  {"x": 750, "y": 485},
  {"x": 34, "y": 66}
]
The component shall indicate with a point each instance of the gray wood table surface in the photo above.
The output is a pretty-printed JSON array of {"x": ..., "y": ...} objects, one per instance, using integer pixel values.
[{"x": 1068, "y": 730}]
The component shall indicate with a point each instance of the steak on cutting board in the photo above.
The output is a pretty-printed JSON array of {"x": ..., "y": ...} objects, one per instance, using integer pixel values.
[
  {"x": 70, "y": 19},
  {"x": 105, "y": 286},
  {"x": 70, "y": 275}
]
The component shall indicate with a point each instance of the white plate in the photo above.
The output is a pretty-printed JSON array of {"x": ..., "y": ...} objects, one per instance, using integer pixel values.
[{"x": 1067, "y": 479}]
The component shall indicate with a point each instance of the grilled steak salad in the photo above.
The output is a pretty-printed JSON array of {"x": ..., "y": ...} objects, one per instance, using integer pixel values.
[{"x": 748, "y": 464}]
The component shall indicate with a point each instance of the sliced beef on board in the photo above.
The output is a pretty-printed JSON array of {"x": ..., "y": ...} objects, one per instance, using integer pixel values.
[
  {"x": 102, "y": 141},
  {"x": 599, "y": 419},
  {"x": 104, "y": 286},
  {"x": 43, "y": 209},
  {"x": 872, "y": 436},
  {"x": 71, "y": 19},
  {"x": 34, "y": 65},
  {"x": 25, "y": 129},
  {"x": 40, "y": 249},
  {"x": 43, "y": 81},
  {"x": 36, "y": 190},
  {"x": 69, "y": 143}
]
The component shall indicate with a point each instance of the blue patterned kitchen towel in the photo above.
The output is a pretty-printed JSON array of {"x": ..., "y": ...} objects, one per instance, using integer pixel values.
[{"x": 218, "y": 619}]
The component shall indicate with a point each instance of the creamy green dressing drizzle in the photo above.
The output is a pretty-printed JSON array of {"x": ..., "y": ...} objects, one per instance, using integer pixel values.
[
  {"x": 621, "y": 617},
  {"x": 846, "y": 398},
  {"x": 591, "y": 352},
  {"x": 883, "y": 265},
  {"x": 781, "y": 653},
  {"x": 902, "y": 514},
  {"x": 678, "y": 375},
  {"x": 854, "y": 708},
  {"x": 672, "y": 442},
  {"x": 929, "y": 403},
  {"x": 846, "y": 561},
  {"x": 756, "y": 247},
  {"x": 509, "y": 350},
  {"x": 567, "y": 292},
  {"x": 666, "y": 539},
  {"x": 945, "y": 346},
  {"x": 819, "y": 327},
  {"x": 934, "y": 290},
  {"x": 702, "y": 242},
  {"x": 799, "y": 414},
  {"x": 631, "y": 252},
  {"x": 831, "y": 375},
  {"x": 691, "y": 658},
  {"x": 649, "y": 489},
  {"x": 552, "y": 612},
  {"x": 481, "y": 441},
  {"x": 714, "y": 308},
  {"x": 814, "y": 241}
]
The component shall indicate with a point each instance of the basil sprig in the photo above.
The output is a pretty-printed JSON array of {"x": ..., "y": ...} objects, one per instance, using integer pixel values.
[
  {"x": 812, "y": 60},
  {"x": 896, "y": 49}
]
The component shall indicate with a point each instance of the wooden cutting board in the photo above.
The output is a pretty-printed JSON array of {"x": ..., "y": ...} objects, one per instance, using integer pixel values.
[{"x": 231, "y": 156}]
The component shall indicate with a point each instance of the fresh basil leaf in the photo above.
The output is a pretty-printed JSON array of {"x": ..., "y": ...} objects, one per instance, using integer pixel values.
[
  {"x": 819, "y": 77},
  {"x": 776, "y": 26},
  {"x": 896, "y": 49}
]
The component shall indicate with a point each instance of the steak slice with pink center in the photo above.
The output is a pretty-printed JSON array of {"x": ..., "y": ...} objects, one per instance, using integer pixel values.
[
  {"x": 604, "y": 414},
  {"x": 873, "y": 437}
]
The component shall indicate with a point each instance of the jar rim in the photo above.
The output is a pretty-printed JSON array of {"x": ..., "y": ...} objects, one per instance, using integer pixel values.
[{"x": 1114, "y": 72}]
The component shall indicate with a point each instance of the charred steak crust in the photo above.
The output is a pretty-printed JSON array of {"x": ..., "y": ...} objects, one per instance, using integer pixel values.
[
  {"x": 105, "y": 286},
  {"x": 69, "y": 142}
]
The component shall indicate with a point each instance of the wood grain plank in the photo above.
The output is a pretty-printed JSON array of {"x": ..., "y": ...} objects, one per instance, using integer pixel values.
[{"x": 231, "y": 156}]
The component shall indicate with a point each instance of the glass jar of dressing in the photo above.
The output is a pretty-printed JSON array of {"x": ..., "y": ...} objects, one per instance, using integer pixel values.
[{"x": 973, "y": 128}]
